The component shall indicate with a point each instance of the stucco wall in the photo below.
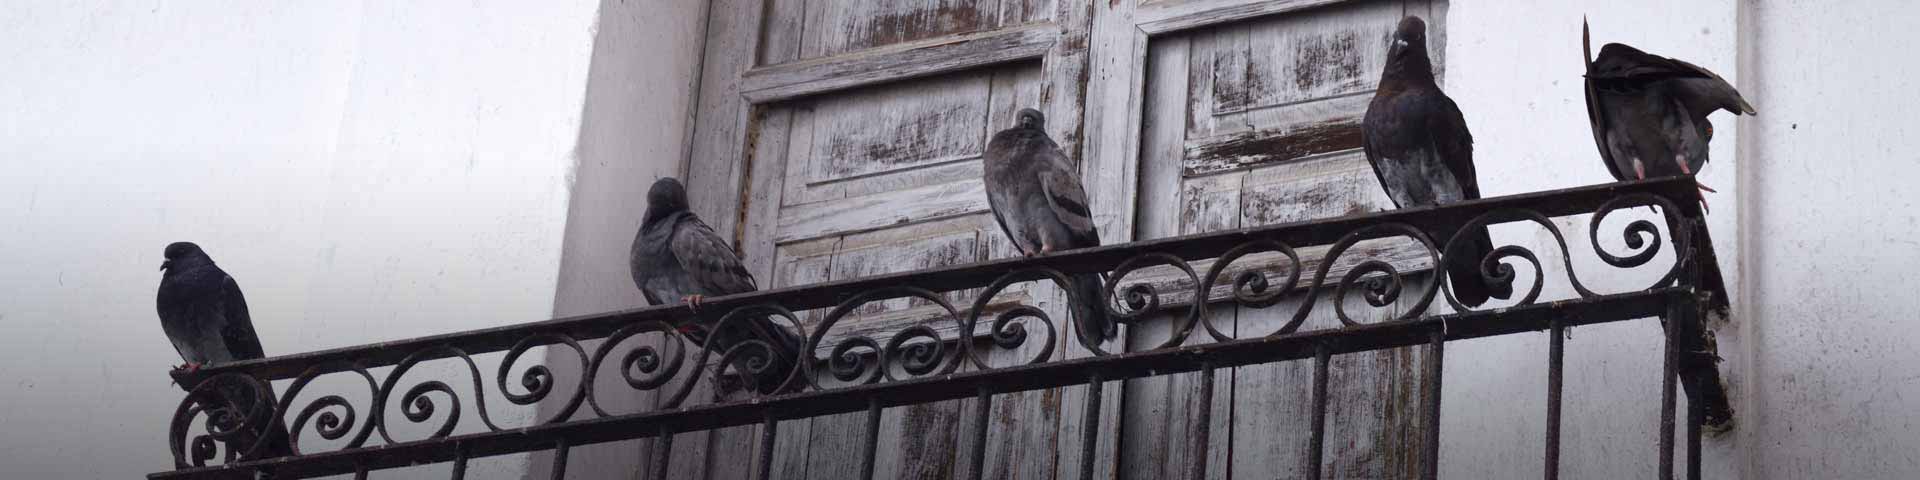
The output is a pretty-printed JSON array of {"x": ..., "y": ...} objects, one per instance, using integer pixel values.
[
  {"x": 638, "y": 115},
  {"x": 1515, "y": 70},
  {"x": 366, "y": 170},
  {"x": 1833, "y": 234}
]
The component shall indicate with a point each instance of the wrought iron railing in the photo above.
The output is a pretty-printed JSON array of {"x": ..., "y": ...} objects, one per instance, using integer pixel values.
[{"x": 916, "y": 365}]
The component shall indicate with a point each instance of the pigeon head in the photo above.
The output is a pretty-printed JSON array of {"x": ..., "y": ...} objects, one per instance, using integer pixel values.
[
  {"x": 666, "y": 197},
  {"x": 1408, "y": 52},
  {"x": 184, "y": 254},
  {"x": 1030, "y": 118}
]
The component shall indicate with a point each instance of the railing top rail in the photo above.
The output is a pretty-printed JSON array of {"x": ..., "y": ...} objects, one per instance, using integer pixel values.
[{"x": 1680, "y": 191}]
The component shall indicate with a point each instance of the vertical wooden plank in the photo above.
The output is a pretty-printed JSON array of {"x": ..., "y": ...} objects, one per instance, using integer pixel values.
[
  {"x": 1149, "y": 427},
  {"x": 1065, "y": 73},
  {"x": 1116, "y": 73},
  {"x": 715, "y": 169}
]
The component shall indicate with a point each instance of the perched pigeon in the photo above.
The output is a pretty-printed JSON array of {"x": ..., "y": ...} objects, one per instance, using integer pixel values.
[
  {"x": 1037, "y": 198},
  {"x": 203, "y": 313},
  {"x": 676, "y": 257},
  {"x": 1649, "y": 113},
  {"x": 1418, "y": 144}
]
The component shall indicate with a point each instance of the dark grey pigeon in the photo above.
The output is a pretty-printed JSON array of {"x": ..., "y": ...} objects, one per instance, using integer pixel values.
[
  {"x": 678, "y": 258},
  {"x": 1421, "y": 151},
  {"x": 1649, "y": 113},
  {"x": 204, "y": 315},
  {"x": 1037, "y": 198}
]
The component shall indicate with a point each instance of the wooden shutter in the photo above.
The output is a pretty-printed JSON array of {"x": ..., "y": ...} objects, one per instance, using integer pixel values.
[
  {"x": 841, "y": 138},
  {"x": 1244, "y": 113}
]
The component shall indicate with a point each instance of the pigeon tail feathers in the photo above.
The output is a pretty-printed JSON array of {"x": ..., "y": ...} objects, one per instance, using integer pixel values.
[{"x": 1468, "y": 286}]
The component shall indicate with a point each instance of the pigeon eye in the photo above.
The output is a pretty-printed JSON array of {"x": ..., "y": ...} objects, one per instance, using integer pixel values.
[{"x": 1709, "y": 132}]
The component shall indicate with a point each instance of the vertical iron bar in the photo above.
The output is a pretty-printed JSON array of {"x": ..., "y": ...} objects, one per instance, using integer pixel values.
[
  {"x": 769, "y": 428},
  {"x": 1200, "y": 439},
  {"x": 1555, "y": 353},
  {"x": 1437, "y": 341},
  {"x": 559, "y": 460},
  {"x": 1321, "y": 355},
  {"x": 460, "y": 462},
  {"x": 982, "y": 409},
  {"x": 663, "y": 455},
  {"x": 1672, "y": 322},
  {"x": 359, "y": 472},
  {"x": 1090, "y": 427},
  {"x": 873, "y": 438},
  {"x": 1696, "y": 413}
]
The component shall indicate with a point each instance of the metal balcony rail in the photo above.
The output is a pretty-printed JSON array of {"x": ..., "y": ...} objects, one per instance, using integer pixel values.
[{"x": 916, "y": 365}]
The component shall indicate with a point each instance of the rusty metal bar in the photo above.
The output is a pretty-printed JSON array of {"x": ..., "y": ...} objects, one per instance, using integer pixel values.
[
  {"x": 1671, "y": 357},
  {"x": 460, "y": 462},
  {"x": 1695, "y": 415},
  {"x": 1436, "y": 347},
  {"x": 559, "y": 460},
  {"x": 769, "y": 431},
  {"x": 1556, "y": 348},
  {"x": 1366, "y": 337},
  {"x": 872, "y": 447},
  {"x": 1318, "y": 440},
  {"x": 1090, "y": 426},
  {"x": 663, "y": 455},
  {"x": 1201, "y": 438},
  {"x": 982, "y": 411}
]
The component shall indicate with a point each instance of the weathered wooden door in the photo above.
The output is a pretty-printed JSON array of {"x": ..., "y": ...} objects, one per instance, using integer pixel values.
[
  {"x": 841, "y": 138},
  {"x": 1248, "y": 114}
]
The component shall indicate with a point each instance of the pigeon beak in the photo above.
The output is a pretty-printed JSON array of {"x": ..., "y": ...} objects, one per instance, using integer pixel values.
[
  {"x": 1398, "y": 43},
  {"x": 165, "y": 264}
]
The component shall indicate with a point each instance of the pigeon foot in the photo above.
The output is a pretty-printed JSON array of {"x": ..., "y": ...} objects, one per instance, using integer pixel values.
[{"x": 693, "y": 302}]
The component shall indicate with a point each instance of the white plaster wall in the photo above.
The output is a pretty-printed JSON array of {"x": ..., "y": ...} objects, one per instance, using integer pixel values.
[
  {"x": 1515, "y": 70},
  {"x": 366, "y": 170},
  {"x": 1833, "y": 241},
  {"x": 638, "y": 117}
]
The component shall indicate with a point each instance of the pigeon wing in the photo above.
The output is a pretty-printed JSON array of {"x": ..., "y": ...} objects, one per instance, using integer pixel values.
[
  {"x": 1068, "y": 201},
  {"x": 708, "y": 261},
  {"x": 1451, "y": 140},
  {"x": 238, "y": 334},
  {"x": 1596, "y": 116}
]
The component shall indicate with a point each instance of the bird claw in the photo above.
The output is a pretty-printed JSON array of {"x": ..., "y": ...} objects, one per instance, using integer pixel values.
[{"x": 693, "y": 302}]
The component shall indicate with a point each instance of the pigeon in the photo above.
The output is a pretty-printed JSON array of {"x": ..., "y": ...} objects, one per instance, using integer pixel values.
[
  {"x": 1649, "y": 113},
  {"x": 204, "y": 315},
  {"x": 1418, "y": 144},
  {"x": 1038, "y": 201},
  {"x": 678, "y": 258}
]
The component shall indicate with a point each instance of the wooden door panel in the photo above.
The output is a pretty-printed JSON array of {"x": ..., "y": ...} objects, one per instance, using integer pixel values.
[
  {"x": 835, "y": 27},
  {"x": 1251, "y": 117}
]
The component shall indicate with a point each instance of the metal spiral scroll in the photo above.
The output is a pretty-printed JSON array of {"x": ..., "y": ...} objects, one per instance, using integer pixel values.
[
  {"x": 847, "y": 361},
  {"x": 417, "y": 406},
  {"x": 1251, "y": 288},
  {"x": 330, "y": 425},
  {"x": 1641, "y": 236},
  {"x": 1143, "y": 299},
  {"x": 752, "y": 357},
  {"x": 654, "y": 370},
  {"x": 1005, "y": 333},
  {"x": 226, "y": 420}
]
